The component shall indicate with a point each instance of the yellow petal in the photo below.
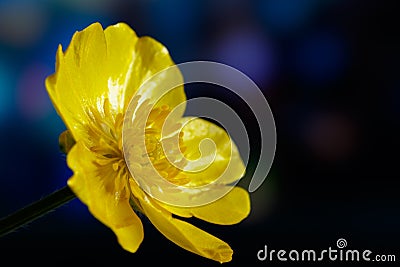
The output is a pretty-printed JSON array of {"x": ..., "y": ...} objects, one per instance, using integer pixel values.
[
  {"x": 182, "y": 233},
  {"x": 131, "y": 61},
  {"x": 107, "y": 68},
  {"x": 230, "y": 209},
  {"x": 121, "y": 59},
  {"x": 90, "y": 185},
  {"x": 210, "y": 162},
  {"x": 79, "y": 81},
  {"x": 157, "y": 76}
]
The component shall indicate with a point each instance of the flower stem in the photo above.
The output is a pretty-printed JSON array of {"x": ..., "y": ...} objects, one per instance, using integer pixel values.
[{"x": 35, "y": 210}]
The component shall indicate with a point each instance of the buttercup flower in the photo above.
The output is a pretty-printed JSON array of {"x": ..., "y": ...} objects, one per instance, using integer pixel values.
[{"x": 96, "y": 79}]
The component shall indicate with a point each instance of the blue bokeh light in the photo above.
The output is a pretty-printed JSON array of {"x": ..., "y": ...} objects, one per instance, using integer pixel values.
[
  {"x": 286, "y": 16},
  {"x": 6, "y": 96}
]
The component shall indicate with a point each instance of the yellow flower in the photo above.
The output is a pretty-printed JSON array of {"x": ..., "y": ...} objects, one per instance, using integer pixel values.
[{"x": 96, "y": 79}]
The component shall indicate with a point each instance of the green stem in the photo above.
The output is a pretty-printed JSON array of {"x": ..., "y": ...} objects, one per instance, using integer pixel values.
[{"x": 35, "y": 210}]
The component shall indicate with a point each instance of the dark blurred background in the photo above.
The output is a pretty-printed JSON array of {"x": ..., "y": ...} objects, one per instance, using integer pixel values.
[{"x": 329, "y": 70}]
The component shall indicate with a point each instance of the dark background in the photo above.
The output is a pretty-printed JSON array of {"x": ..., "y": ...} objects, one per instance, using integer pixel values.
[{"x": 329, "y": 70}]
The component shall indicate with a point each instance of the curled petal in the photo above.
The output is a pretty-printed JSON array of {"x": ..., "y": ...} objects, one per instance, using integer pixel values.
[
  {"x": 220, "y": 162},
  {"x": 230, "y": 209},
  {"x": 182, "y": 233}
]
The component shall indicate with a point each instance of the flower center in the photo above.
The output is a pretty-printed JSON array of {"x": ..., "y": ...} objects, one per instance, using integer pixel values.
[
  {"x": 147, "y": 147},
  {"x": 105, "y": 140},
  {"x": 153, "y": 146}
]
